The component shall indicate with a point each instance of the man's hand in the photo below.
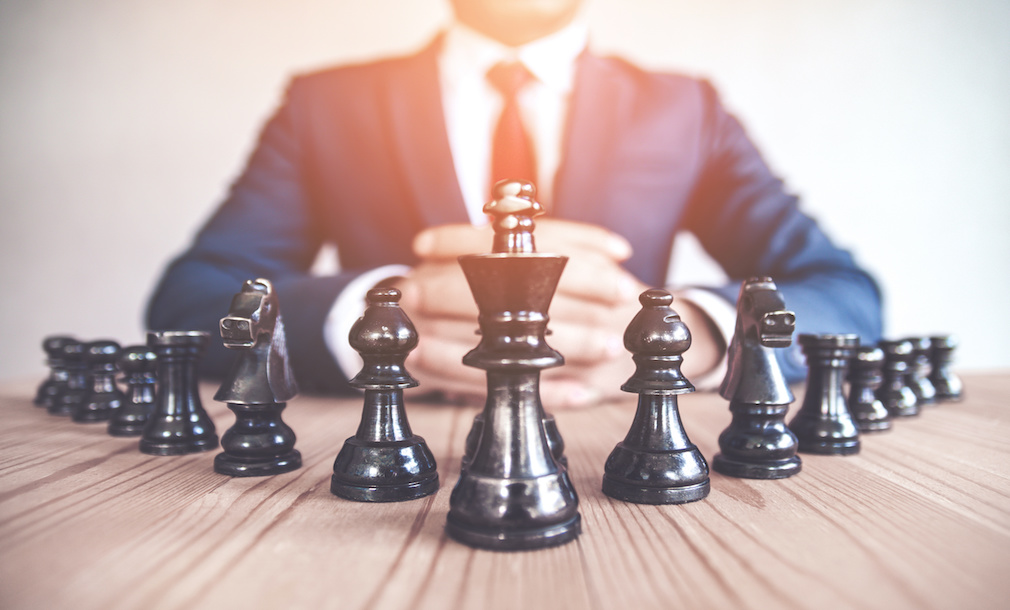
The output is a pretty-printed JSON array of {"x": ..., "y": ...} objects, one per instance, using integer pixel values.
[{"x": 595, "y": 300}]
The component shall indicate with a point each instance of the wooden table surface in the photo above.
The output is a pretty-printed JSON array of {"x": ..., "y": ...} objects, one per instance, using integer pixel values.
[{"x": 919, "y": 519}]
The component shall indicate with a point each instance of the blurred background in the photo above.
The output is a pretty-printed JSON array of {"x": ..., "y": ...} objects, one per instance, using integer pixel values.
[{"x": 122, "y": 125}]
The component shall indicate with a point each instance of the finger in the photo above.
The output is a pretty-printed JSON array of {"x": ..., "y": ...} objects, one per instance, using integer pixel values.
[
  {"x": 568, "y": 237},
  {"x": 437, "y": 290},
  {"x": 450, "y": 241},
  {"x": 597, "y": 279},
  {"x": 586, "y": 345}
]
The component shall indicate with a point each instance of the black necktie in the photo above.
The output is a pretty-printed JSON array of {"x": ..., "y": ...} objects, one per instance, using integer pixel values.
[{"x": 512, "y": 150}]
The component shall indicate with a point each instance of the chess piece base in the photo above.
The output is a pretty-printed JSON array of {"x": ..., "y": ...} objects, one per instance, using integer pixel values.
[
  {"x": 515, "y": 539},
  {"x": 874, "y": 426},
  {"x": 178, "y": 447},
  {"x": 622, "y": 490},
  {"x": 830, "y": 446},
  {"x": 778, "y": 469},
  {"x": 905, "y": 411},
  {"x": 90, "y": 416},
  {"x": 127, "y": 429},
  {"x": 390, "y": 471},
  {"x": 253, "y": 467}
]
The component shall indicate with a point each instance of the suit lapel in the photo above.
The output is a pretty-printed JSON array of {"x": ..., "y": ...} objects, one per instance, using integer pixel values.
[{"x": 420, "y": 142}]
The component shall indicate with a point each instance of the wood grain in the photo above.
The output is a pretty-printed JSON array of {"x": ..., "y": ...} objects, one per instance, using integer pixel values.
[{"x": 919, "y": 519}]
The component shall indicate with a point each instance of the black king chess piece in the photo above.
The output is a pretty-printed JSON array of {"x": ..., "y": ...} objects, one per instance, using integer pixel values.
[
  {"x": 384, "y": 461},
  {"x": 823, "y": 424},
  {"x": 56, "y": 382},
  {"x": 757, "y": 444},
  {"x": 258, "y": 387},
  {"x": 103, "y": 397},
  {"x": 70, "y": 396},
  {"x": 865, "y": 376},
  {"x": 179, "y": 424},
  {"x": 947, "y": 384},
  {"x": 894, "y": 393},
  {"x": 513, "y": 493},
  {"x": 138, "y": 364},
  {"x": 657, "y": 463}
]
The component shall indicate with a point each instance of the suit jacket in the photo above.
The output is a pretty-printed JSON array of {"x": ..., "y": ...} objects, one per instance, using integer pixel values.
[{"x": 358, "y": 156}]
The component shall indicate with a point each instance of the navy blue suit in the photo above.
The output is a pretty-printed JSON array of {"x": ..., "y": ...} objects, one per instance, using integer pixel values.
[{"x": 358, "y": 156}]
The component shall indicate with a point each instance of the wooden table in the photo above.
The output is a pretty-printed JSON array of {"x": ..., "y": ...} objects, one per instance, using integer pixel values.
[{"x": 919, "y": 519}]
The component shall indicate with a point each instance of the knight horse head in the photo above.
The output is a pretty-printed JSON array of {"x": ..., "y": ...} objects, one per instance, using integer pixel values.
[
  {"x": 762, "y": 322},
  {"x": 262, "y": 373}
]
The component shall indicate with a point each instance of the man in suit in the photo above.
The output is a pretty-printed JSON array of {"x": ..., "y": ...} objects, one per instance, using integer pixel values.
[{"x": 392, "y": 160}]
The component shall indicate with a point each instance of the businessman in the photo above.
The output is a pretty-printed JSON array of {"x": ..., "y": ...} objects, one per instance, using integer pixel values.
[{"x": 392, "y": 161}]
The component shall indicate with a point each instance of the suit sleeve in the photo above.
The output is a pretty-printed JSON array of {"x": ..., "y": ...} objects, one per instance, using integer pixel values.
[
  {"x": 267, "y": 227},
  {"x": 745, "y": 219}
]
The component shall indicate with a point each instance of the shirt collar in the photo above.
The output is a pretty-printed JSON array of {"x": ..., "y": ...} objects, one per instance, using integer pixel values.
[{"x": 468, "y": 54}]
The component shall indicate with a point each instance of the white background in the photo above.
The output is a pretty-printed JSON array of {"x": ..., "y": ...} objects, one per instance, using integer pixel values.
[{"x": 122, "y": 124}]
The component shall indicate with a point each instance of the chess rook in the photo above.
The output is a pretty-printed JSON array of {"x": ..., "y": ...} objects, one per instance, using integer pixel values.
[
  {"x": 65, "y": 401},
  {"x": 823, "y": 424},
  {"x": 757, "y": 444},
  {"x": 179, "y": 424},
  {"x": 657, "y": 463},
  {"x": 513, "y": 493},
  {"x": 384, "y": 461},
  {"x": 139, "y": 366},
  {"x": 865, "y": 376},
  {"x": 258, "y": 387},
  {"x": 103, "y": 396},
  {"x": 56, "y": 382},
  {"x": 894, "y": 393},
  {"x": 919, "y": 369},
  {"x": 947, "y": 384}
]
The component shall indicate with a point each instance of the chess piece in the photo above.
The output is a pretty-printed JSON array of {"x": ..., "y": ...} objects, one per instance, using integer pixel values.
[
  {"x": 757, "y": 444},
  {"x": 258, "y": 387},
  {"x": 103, "y": 395},
  {"x": 865, "y": 376},
  {"x": 179, "y": 423},
  {"x": 513, "y": 494},
  {"x": 70, "y": 396},
  {"x": 919, "y": 369},
  {"x": 56, "y": 382},
  {"x": 384, "y": 461},
  {"x": 894, "y": 393},
  {"x": 512, "y": 219},
  {"x": 657, "y": 463},
  {"x": 138, "y": 364},
  {"x": 823, "y": 424},
  {"x": 947, "y": 384}
]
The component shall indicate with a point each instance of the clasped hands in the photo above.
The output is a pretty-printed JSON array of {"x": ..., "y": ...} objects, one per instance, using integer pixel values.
[{"x": 595, "y": 300}]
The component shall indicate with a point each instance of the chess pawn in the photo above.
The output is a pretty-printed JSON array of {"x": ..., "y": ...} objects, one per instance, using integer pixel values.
[
  {"x": 56, "y": 382},
  {"x": 947, "y": 384},
  {"x": 258, "y": 387},
  {"x": 894, "y": 393},
  {"x": 656, "y": 463},
  {"x": 919, "y": 369},
  {"x": 69, "y": 397},
  {"x": 823, "y": 424},
  {"x": 178, "y": 424},
  {"x": 138, "y": 365},
  {"x": 384, "y": 461},
  {"x": 513, "y": 493},
  {"x": 865, "y": 376},
  {"x": 757, "y": 444},
  {"x": 104, "y": 396}
]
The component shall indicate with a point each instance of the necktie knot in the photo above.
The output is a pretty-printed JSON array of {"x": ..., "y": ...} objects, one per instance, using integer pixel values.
[{"x": 509, "y": 77}]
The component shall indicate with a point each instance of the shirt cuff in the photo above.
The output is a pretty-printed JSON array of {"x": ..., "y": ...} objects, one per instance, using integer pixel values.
[
  {"x": 722, "y": 314},
  {"x": 347, "y": 308}
]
